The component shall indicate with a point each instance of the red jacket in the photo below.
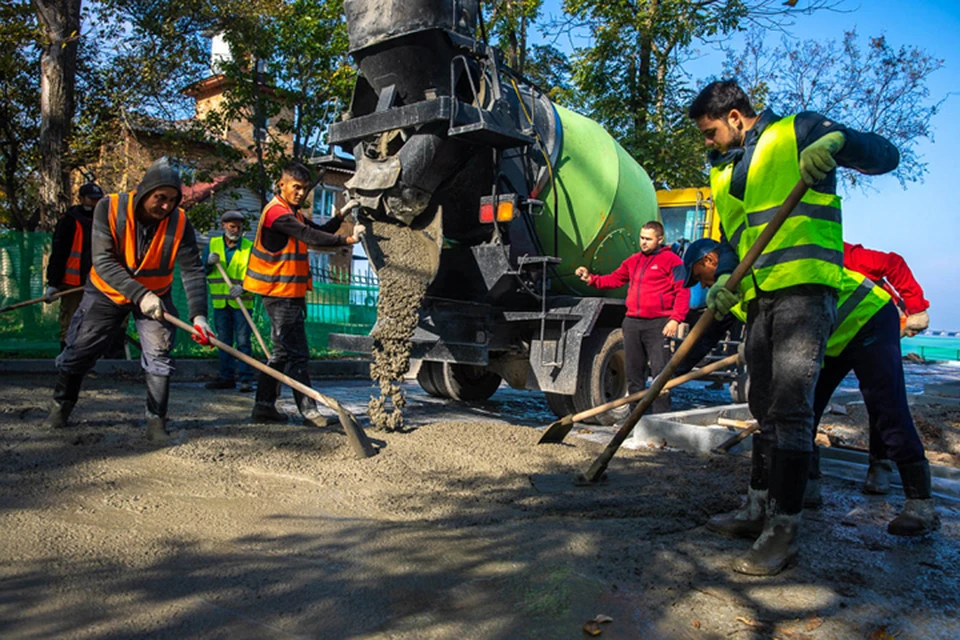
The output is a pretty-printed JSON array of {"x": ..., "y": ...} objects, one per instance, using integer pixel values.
[
  {"x": 655, "y": 285},
  {"x": 890, "y": 271}
]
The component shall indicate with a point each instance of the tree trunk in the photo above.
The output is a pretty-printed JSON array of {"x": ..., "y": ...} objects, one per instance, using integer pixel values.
[{"x": 58, "y": 69}]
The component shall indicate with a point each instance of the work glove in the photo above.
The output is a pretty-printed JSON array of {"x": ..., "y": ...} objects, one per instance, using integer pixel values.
[
  {"x": 213, "y": 259},
  {"x": 916, "y": 322},
  {"x": 719, "y": 299},
  {"x": 816, "y": 161},
  {"x": 201, "y": 326},
  {"x": 358, "y": 231},
  {"x": 48, "y": 294},
  {"x": 236, "y": 291},
  {"x": 151, "y": 306}
]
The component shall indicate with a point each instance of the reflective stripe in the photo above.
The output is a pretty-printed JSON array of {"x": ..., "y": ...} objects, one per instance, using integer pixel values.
[
  {"x": 814, "y": 211},
  {"x": 265, "y": 278},
  {"x": 735, "y": 238},
  {"x": 859, "y": 295},
  {"x": 278, "y": 257},
  {"x": 802, "y": 252}
]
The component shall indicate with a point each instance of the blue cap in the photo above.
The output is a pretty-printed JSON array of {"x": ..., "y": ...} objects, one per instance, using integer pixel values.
[{"x": 694, "y": 253}]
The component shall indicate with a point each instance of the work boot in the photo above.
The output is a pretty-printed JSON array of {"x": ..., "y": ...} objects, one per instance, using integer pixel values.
[
  {"x": 776, "y": 548},
  {"x": 65, "y": 395},
  {"x": 313, "y": 418},
  {"x": 919, "y": 516},
  {"x": 245, "y": 387},
  {"x": 267, "y": 413},
  {"x": 158, "y": 396},
  {"x": 813, "y": 495},
  {"x": 219, "y": 384},
  {"x": 878, "y": 477},
  {"x": 746, "y": 522}
]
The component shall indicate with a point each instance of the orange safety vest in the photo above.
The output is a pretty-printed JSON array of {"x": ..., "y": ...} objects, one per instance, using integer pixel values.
[
  {"x": 71, "y": 277},
  {"x": 284, "y": 273},
  {"x": 155, "y": 271}
]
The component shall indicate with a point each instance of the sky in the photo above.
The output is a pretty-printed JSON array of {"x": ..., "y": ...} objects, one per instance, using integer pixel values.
[{"x": 921, "y": 222}]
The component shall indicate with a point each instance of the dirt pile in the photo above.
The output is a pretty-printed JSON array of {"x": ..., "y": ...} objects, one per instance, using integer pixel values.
[{"x": 404, "y": 275}]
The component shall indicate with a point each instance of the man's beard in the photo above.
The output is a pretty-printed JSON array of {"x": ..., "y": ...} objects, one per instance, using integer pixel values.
[{"x": 232, "y": 237}]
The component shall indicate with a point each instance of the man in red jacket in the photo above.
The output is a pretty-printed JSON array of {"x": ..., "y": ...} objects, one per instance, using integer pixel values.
[
  {"x": 890, "y": 271},
  {"x": 657, "y": 303}
]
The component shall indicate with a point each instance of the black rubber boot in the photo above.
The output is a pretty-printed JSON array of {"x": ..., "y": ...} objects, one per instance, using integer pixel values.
[
  {"x": 919, "y": 516},
  {"x": 747, "y": 522},
  {"x": 878, "y": 477},
  {"x": 158, "y": 395},
  {"x": 776, "y": 548},
  {"x": 813, "y": 495},
  {"x": 65, "y": 395},
  {"x": 267, "y": 413}
]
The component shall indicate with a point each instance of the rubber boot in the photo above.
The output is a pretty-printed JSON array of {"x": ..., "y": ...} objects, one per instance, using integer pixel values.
[
  {"x": 65, "y": 395},
  {"x": 878, "y": 477},
  {"x": 747, "y": 522},
  {"x": 158, "y": 395},
  {"x": 267, "y": 413},
  {"x": 919, "y": 516},
  {"x": 776, "y": 548},
  {"x": 311, "y": 414},
  {"x": 813, "y": 495}
]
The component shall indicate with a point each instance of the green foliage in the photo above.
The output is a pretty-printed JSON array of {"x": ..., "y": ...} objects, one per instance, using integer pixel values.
[{"x": 876, "y": 88}]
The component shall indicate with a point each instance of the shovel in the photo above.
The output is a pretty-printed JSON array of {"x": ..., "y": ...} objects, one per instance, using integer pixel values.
[
  {"x": 558, "y": 430},
  {"x": 358, "y": 440},
  {"x": 595, "y": 473},
  {"x": 243, "y": 309},
  {"x": 27, "y": 303}
]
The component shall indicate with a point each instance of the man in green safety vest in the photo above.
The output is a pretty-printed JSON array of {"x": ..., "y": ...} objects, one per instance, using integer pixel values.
[
  {"x": 233, "y": 251},
  {"x": 791, "y": 291},
  {"x": 866, "y": 340}
]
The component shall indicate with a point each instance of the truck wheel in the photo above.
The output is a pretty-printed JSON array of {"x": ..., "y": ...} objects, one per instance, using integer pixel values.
[
  {"x": 740, "y": 388},
  {"x": 467, "y": 382},
  {"x": 430, "y": 378},
  {"x": 560, "y": 403},
  {"x": 602, "y": 376}
]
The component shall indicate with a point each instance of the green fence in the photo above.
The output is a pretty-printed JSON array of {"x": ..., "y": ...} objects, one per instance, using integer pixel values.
[{"x": 339, "y": 303}]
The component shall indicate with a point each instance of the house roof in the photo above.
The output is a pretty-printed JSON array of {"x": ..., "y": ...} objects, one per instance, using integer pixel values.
[{"x": 200, "y": 191}]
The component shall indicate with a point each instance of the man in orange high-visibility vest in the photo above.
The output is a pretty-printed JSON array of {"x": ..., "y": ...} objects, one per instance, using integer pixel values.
[
  {"x": 279, "y": 270},
  {"x": 138, "y": 238}
]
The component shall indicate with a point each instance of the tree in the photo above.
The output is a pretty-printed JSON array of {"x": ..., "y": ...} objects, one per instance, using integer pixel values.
[
  {"x": 876, "y": 88},
  {"x": 19, "y": 114},
  {"x": 60, "y": 24},
  {"x": 510, "y": 21}
]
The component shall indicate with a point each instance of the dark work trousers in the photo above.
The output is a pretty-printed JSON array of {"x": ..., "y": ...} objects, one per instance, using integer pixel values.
[
  {"x": 95, "y": 325},
  {"x": 874, "y": 356},
  {"x": 232, "y": 326},
  {"x": 291, "y": 354},
  {"x": 643, "y": 342},
  {"x": 68, "y": 306},
  {"x": 787, "y": 333}
]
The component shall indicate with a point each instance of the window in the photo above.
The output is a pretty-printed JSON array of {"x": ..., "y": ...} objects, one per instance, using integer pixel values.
[
  {"x": 186, "y": 168},
  {"x": 325, "y": 200}
]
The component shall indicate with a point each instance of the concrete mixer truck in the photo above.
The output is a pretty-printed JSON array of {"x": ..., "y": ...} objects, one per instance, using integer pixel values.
[{"x": 500, "y": 195}]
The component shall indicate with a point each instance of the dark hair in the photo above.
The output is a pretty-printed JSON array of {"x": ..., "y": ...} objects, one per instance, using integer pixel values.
[
  {"x": 718, "y": 98},
  {"x": 298, "y": 171},
  {"x": 654, "y": 226}
]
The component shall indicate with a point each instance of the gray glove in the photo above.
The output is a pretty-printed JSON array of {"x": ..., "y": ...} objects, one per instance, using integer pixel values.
[
  {"x": 358, "y": 231},
  {"x": 151, "y": 306},
  {"x": 213, "y": 259},
  {"x": 236, "y": 291},
  {"x": 48, "y": 294}
]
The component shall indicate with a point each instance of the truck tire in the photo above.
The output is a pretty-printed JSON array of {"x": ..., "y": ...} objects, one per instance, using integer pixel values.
[
  {"x": 466, "y": 383},
  {"x": 602, "y": 376},
  {"x": 430, "y": 378},
  {"x": 560, "y": 403}
]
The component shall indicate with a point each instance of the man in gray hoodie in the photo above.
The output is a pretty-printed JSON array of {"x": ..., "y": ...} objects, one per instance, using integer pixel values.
[{"x": 138, "y": 237}]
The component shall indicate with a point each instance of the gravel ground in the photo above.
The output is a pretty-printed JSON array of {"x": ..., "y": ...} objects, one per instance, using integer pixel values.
[{"x": 460, "y": 527}]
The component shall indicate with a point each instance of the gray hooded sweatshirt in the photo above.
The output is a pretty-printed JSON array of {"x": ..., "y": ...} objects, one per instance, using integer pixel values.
[{"x": 107, "y": 258}]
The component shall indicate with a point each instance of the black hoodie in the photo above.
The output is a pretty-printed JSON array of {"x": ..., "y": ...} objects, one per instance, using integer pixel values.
[
  {"x": 63, "y": 243},
  {"x": 108, "y": 261}
]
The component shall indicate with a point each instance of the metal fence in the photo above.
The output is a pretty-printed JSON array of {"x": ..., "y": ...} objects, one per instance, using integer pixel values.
[{"x": 339, "y": 303}]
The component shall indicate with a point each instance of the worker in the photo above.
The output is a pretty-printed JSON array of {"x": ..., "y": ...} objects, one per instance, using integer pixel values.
[
  {"x": 279, "y": 270},
  {"x": 866, "y": 340},
  {"x": 232, "y": 251},
  {"x": 791, "y": 291},
  {"x": 138, "y": 238},
  {"x": 657, "y": 303},
  {"x": 890, "y": 271}
]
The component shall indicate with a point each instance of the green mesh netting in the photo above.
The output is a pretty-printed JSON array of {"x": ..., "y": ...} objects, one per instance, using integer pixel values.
[{"x": 339, "y": 303}]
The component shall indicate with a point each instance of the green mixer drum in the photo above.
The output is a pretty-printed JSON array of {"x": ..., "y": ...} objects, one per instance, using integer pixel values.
[{"x": 604, "y": 197}]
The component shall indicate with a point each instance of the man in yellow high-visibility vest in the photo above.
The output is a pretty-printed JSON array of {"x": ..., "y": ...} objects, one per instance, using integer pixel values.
[
  {"x": 232, "y": 251},
  {"x": 791, "y": 290}
]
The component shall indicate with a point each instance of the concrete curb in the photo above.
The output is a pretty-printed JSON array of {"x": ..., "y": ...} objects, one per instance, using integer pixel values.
[
  {"x": 192, "y": 370},
  {"x": 696, "y": 431}
]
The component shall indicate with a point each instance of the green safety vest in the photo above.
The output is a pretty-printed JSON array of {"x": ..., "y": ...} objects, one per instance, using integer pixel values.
[
  {"x": 219, "y": 290},
  {"x": 860, "y": 299},
  {"x": 808, "y": 248}
]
